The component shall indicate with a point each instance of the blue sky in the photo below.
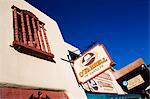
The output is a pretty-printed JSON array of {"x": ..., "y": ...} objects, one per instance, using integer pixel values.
[{"x": 121, "y": 25}]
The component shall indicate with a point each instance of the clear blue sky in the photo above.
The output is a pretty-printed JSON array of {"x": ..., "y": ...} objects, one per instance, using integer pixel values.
[{"x": 121, "y": 25}]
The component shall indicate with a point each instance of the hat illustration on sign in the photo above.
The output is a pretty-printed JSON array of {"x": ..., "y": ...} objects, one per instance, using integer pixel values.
[{"x": 88, "y": 59}]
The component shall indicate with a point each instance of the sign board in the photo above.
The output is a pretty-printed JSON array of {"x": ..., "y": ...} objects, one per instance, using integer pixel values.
[
  {"x": 92, "y": 63},
  {"x": 101, "y": 86},
  {"x": 135, "y": 81},
  {"x": 102, "y": 83}
]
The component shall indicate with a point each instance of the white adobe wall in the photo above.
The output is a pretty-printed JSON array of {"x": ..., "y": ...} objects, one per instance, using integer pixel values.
[{"x": 26, "y": 70}]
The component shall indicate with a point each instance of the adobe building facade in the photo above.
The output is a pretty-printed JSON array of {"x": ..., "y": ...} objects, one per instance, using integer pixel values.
[{"x": 32, "y": 49}]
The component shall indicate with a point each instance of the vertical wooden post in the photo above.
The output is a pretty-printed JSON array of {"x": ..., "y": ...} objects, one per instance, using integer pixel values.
[
  {"x": 29, "y": 30},
  {"x": 41, "y": 37},
  {"x": 23, "y": 29},
  {"x": 35, "y": 34},
  {"x": 15, "y": 25},
  {"x": 46, "y": 40}
]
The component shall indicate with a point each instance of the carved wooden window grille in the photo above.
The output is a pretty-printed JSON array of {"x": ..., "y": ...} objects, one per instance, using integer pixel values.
[{"x": 30, "y": 35}]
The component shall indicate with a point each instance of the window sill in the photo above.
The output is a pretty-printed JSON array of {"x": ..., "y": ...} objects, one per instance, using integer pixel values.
[{"x": 20, "y": 47}]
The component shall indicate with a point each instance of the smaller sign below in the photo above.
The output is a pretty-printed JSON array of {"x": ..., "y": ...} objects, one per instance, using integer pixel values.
[
  {"x": 135, "y": 81},
  {"x": 102, "y": 83},
  {"x": 101, "y": 86}
]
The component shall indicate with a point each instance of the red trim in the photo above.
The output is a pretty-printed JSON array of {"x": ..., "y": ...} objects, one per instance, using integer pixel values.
[
  {"x": 15, "y": 24},
  {"x": 25, "y": 12},
  {"x": 30, "y": 42},
  {"x": 41, "y": 37},
  {"x": 35, "y": 34},
  {"x": 32, "y": 51},
  {"x": 18, "y": 93},
  {"x": 23, "y": 29},
  {"x": 46, "y": 40},
  {"x": 98, "y": 73},
  {"x": 29, "y": 13}
]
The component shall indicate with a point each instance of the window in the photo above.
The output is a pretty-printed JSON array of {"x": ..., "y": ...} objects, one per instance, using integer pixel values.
[{"x": 30, "y": 35}]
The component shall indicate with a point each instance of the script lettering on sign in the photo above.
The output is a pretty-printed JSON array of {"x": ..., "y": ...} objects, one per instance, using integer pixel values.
[{"x": 92, "y": 63}]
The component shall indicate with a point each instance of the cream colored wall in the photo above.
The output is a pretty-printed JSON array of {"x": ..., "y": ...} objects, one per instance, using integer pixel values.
[{"x": 22, "y": 69}]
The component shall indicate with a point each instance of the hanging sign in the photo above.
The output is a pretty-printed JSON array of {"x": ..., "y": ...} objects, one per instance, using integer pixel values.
[
  {"x": 92, "y": 63},
  {"x": 135, "y": 81},
  {"x": 101, "y": 86},
  {"x": 102, "y": 83}
]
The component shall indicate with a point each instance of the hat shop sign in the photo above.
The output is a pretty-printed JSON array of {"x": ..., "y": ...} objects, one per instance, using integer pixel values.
[{"x": 92, "y": 63}]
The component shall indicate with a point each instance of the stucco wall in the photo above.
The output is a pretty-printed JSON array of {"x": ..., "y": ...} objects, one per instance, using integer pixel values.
[{"x": 26, "y": 70}]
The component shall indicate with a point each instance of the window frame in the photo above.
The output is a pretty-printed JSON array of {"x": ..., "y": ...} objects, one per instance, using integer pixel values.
[{"x": 30, "y": 35}]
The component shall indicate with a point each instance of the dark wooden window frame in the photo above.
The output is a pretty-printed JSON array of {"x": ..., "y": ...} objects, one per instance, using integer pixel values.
[{"x": 30, "y": 35}]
